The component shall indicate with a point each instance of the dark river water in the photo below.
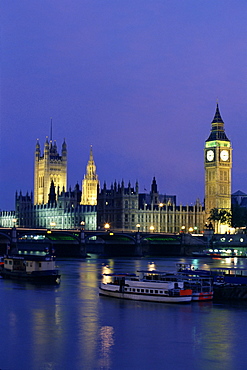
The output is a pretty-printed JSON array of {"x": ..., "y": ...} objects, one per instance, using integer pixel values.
[{"x": 72, "y": 327}]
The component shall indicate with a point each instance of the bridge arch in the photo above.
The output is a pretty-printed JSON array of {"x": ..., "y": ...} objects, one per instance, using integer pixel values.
[
  {"x": 5, "y": 235},
  {"x": 110, "y": 236}
]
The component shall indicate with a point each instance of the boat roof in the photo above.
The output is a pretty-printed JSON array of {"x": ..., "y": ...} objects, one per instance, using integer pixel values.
[
  {"x": 30, "y": 257},
  {"x": 155, "y": 272},
  {"x": 120, "y": 274},
  {"x": 228, "y": 268},
  {"x": 177, "y": 275}
]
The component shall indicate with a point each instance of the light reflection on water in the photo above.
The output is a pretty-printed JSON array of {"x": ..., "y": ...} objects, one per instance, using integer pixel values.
[{"x": 71, "y": 327}]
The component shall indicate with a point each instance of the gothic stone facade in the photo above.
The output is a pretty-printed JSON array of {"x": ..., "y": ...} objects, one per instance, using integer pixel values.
[
  {"x": 63, "y": 212},
  {"x": 124, "y": 208}
]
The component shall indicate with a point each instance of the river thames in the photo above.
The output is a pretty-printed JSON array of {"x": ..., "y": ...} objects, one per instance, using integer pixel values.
[{"x": 72, "y": 327}]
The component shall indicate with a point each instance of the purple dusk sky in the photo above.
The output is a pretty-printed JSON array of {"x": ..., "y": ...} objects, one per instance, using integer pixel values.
[{"x": 137, "y": 79}]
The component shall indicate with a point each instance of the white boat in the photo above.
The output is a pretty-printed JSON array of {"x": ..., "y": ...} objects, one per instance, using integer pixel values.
[{"x": 145, "y": 288}]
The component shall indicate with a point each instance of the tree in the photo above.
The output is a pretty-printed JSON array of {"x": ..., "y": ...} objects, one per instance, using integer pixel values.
[{"x": 220, "y": 216}]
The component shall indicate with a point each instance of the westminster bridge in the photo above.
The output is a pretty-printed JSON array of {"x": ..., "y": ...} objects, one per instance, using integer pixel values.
[{"x": 78, "y": 243}]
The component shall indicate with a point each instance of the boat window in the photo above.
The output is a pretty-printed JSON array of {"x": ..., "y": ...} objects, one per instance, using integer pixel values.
[
  {"x": 27, "y": 263},
  {"x": 39, "y": 264},
  {"x": 142, "y": 290},
  {"x": 161, "y": 292},
  {"x": 156, "y": 292},
  {"x": 10, "y": 262},
  {"x": 147, "y": 290},
  {"x": 138, "y": 290},
  {"x": 134, "y": 290},
  {"x": 151, "y": 291}
]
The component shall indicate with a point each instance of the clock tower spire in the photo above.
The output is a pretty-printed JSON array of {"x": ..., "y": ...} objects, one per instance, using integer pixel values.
[{"x": 218, "y": 164}]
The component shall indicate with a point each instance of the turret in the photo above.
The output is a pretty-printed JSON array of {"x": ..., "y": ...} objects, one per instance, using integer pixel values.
[
  {"x": 64, "y": 150},
  {"x": 37, "y": 150},
  {"x": 46, "y": 148},
  {"x": 154, "y": 189},
  {"x": 52, "y": 195},
  {"x": 137, "y": 187},
  {"x": 90, "y": 182}
]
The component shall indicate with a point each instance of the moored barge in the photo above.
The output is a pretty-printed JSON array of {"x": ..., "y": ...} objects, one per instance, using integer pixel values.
[{"x": 34, "y": 268}]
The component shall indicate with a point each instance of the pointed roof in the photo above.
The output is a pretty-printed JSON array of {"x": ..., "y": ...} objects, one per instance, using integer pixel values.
[
  {"x": 37, "y": 145},
  {"x": 239, "y": 193},
  {"x": 217, "y": 116},
  {"x": 217, "y": 130},
  {"x": 64, "y": 146},
  {"x": 91, "y": 153}
]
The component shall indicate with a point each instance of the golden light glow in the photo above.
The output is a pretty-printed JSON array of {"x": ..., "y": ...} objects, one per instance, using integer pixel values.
[
  {"x": 90, "y": 183},
  {"x": 151, "y": 266}
]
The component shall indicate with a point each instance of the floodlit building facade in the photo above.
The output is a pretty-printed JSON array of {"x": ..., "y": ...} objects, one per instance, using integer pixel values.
[
  {"x": 218, "y": 165},
  {"x": 124, "y": 208},
  {"x": 48, "y": 167},
  {"x": 90, "y": 183}
]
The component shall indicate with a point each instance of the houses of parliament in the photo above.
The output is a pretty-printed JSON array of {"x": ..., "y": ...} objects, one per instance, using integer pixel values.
[{"x": 123, "y": 207}]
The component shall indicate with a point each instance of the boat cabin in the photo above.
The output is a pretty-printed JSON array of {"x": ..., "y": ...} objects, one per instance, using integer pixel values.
[
  {"x": 29, "y": 264},
  {"x": 226, "y": 275}
]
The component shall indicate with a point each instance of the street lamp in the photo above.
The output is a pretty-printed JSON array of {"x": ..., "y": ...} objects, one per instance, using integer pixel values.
[
  {"x": 138, "y": 227},
  {"x": 183, "y": 229},
  {"x": 52, "y": 224},
  {"x": 107, "y": 226},
  {"x": 151, "y": 228},
  {"x": 191, "y": 229}
]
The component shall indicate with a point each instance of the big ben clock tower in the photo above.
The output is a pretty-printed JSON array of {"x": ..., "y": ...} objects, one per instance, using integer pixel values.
[{"x": 218, "y": 164}]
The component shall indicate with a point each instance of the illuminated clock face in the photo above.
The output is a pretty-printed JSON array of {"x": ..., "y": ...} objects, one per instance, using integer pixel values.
[
  {"x": 224, "y": 155},
  {"x": 210, "y": 155}
]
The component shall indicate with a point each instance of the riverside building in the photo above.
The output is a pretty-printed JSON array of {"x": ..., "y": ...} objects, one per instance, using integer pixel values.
[
  {"x": 52, "y": 206},
  {"x": 124, "y": 208}
]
